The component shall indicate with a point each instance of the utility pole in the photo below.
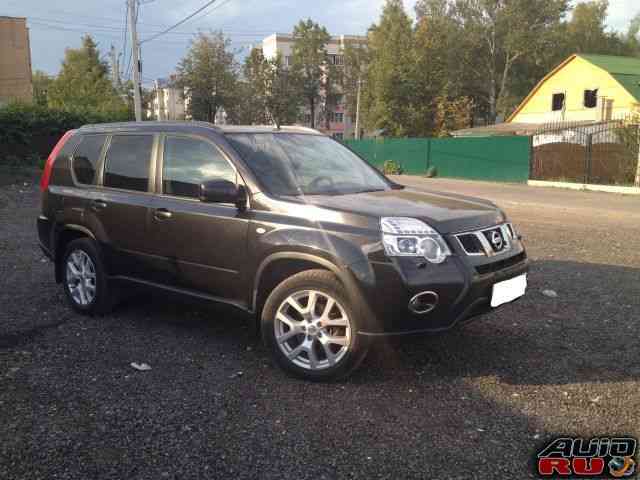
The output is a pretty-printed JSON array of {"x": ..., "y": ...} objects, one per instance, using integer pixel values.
[
  {"x": 115, "y": 67},
  {"x": 358, "y": 109},
  {"x": 135, "y": 52}
]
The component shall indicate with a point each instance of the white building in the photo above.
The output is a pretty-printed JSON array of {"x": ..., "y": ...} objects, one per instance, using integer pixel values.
[
  {"x": 341, "y": 121},
  {"x": 168, "y": 102}
]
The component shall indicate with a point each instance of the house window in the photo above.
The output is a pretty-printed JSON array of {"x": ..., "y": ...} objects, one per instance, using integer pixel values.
[
  {"x": 339, "y": 60},
  {"x": 591, "y": 98},
  {"x": 557, "y": 102},
  {"x": 339, "y": 117}
]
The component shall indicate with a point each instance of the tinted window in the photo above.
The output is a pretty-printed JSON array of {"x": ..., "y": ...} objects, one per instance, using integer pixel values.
[
  {"x": 188, "y": 162},
  {"x": 127, "y": 162},
  {"x": 85, "y": 159}
]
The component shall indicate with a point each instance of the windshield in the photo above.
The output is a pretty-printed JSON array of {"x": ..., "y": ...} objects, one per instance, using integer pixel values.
[{"x": 297, "y": 164}]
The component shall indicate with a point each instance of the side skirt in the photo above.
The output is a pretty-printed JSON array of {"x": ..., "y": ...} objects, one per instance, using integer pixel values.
[{"x": 183, "y": 291}]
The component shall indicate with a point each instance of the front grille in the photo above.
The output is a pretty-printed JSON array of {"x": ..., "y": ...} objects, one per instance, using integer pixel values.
[
  {"x": 501, "y": 265},
  {"x": 491, "y": 241},
  {"x": 471, "y": 244}
]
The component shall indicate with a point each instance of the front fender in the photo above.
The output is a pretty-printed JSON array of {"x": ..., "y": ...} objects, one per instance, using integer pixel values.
[{"x": 345, "y": 257}]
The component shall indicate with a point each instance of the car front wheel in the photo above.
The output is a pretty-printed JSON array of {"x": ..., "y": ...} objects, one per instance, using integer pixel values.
[{"x": 311, "y": 329}]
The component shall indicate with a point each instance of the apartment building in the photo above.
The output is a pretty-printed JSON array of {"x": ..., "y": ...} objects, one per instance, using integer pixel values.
[
  {"x": 15, "y": 60},
  {"x": 168, "y": 103},
  {"x": 341, "y": 121}
]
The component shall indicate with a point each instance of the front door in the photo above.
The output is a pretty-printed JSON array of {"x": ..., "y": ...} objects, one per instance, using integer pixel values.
[{"x": 205, "y": 244}]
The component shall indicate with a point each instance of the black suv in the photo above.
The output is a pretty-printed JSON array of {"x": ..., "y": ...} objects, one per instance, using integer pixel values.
[{"x": 286, "y": 224}]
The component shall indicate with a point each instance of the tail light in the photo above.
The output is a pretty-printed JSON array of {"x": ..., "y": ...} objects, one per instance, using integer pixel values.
[{"x": 48, "y": 167}]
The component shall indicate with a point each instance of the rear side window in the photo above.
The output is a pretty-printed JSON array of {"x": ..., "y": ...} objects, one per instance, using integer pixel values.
[
  {"x": 187, "y": 162},
  {"x": 85, "y": 158},
  {"x": 127, "y": 162}
]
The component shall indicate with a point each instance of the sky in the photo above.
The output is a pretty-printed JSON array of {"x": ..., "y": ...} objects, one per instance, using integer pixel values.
[{"x": 57, "y": 24}]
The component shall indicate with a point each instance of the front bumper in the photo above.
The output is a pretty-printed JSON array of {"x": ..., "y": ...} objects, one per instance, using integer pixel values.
[{"x": 463, "y": 284}]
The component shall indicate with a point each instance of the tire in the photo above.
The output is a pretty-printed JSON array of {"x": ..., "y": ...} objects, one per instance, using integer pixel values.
[
  {"x": 318, "y": 345},
  {"x": 92, "y": 295}
]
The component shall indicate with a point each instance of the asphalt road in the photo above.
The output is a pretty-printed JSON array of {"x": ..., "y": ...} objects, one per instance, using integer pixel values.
[{"x": 477, "y": 403}]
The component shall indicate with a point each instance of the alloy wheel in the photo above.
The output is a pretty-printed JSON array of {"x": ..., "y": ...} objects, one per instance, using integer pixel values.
[
  {"x": 81, "y": 277},
  {"x": 313, "y": 330}
]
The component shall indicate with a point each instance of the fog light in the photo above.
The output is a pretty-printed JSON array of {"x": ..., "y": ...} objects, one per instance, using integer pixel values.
[{"x": 424, "y": 302}]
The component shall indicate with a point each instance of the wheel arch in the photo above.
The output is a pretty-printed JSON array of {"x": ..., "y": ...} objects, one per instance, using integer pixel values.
[
  {"x": 63, "y": 236},
  {"x": 281, "y": 265},
  {"x": 278, "y": 266}
]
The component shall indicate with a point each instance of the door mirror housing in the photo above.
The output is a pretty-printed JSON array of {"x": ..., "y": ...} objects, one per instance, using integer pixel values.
[{"x": 223, "y": 191}]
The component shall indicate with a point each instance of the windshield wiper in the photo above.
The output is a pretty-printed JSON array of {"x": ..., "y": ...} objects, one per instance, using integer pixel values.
[{"x": 368, "y": 190}]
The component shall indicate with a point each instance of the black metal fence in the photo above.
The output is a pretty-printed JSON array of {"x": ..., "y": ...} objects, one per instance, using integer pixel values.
[{"x": 586, "y": 152}]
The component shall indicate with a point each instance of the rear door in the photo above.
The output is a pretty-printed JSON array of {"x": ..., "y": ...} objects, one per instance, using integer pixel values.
[
  {"x": 82, "y": 179},
  {"x": 119, "y": 210},
  {"x": 203, "y": 243}
]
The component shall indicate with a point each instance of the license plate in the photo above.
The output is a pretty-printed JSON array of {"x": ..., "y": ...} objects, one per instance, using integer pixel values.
[{"x": 509, "y": 290}]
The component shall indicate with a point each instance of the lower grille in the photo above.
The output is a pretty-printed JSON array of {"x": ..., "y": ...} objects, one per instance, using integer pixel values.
[{"x": 501, "y": 265}]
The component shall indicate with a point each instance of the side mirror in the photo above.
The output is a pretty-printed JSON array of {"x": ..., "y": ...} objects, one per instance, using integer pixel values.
[{"x": 223, "y": 191}]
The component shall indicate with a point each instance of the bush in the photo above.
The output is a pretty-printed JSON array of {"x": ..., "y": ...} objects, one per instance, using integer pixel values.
[
  {"x": 29, "y": 131},
  {"x": 391, "y": 167}
]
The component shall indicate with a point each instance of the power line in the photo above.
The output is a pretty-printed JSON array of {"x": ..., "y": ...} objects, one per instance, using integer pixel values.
[
  {"x": 214, "y": 8},
  {"x": 167, "y": 30}
]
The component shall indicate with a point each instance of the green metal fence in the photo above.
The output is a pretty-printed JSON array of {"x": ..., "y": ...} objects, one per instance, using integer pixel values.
[{"x": 501, "y": 159}]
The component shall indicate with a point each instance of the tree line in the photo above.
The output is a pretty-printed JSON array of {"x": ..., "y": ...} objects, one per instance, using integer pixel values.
[{"x": 458, "y": 63}]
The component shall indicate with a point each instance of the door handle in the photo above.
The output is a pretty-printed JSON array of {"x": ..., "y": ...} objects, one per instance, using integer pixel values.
[
  {"x": 98, "y": 205},
  {"x": 162, "y": 214}
]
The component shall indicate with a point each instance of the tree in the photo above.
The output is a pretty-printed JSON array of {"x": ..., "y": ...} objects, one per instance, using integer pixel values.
[
  {"x": 310, "y": 64},
  {"x": 387, "y": 102},
  {"x": 439, "y": 74},
  {"x": 272, "y": 89},
  {"x": 498, "y": 35},
  {"x": 354, "y": 77},
  {"x": 83, "y": 82},
  {"x": 41, "y": 84},
  {"x": 208, "y": 76}
]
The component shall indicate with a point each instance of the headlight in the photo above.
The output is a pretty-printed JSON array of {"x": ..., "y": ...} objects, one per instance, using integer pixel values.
[{"x": 410, "y": 237}]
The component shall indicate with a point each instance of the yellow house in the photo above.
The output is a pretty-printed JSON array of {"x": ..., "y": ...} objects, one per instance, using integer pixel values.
[{"x": 583, "y": 88}]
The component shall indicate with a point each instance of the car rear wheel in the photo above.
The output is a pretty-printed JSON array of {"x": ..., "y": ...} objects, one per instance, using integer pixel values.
[
  {"x": 84, "y": 279},
  {"x": 311, "y": 329}
]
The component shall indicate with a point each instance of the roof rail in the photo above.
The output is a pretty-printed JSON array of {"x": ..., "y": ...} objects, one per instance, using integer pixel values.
[
  {"x": 301, "y": 129},
  {"x": 151, "y": 123}
]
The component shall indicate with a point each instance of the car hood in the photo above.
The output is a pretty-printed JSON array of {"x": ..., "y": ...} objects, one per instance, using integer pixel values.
[{"x": 447, "y": 213}]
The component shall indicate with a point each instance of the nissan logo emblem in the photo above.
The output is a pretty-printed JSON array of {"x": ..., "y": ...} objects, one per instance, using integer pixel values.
[{"x": 496, "y": 240}]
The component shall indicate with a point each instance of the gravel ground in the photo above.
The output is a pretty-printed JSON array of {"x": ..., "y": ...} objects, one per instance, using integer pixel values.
[{"x": 476, "y": 403}]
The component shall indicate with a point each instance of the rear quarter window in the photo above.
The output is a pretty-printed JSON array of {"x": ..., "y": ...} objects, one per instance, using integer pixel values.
[
  {"x": 86, "y": 157},
  {"x": 127, "y": 162}
]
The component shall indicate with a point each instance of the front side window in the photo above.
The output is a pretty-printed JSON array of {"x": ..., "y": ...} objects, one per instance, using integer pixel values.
[
  {"x": 127, "y": 162},
  {"x": 289, "y": 164},
  {"x": 557, "y": 102},
  {"x": 188, "y": 162},
  {"x": 86, "y": 157}
]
